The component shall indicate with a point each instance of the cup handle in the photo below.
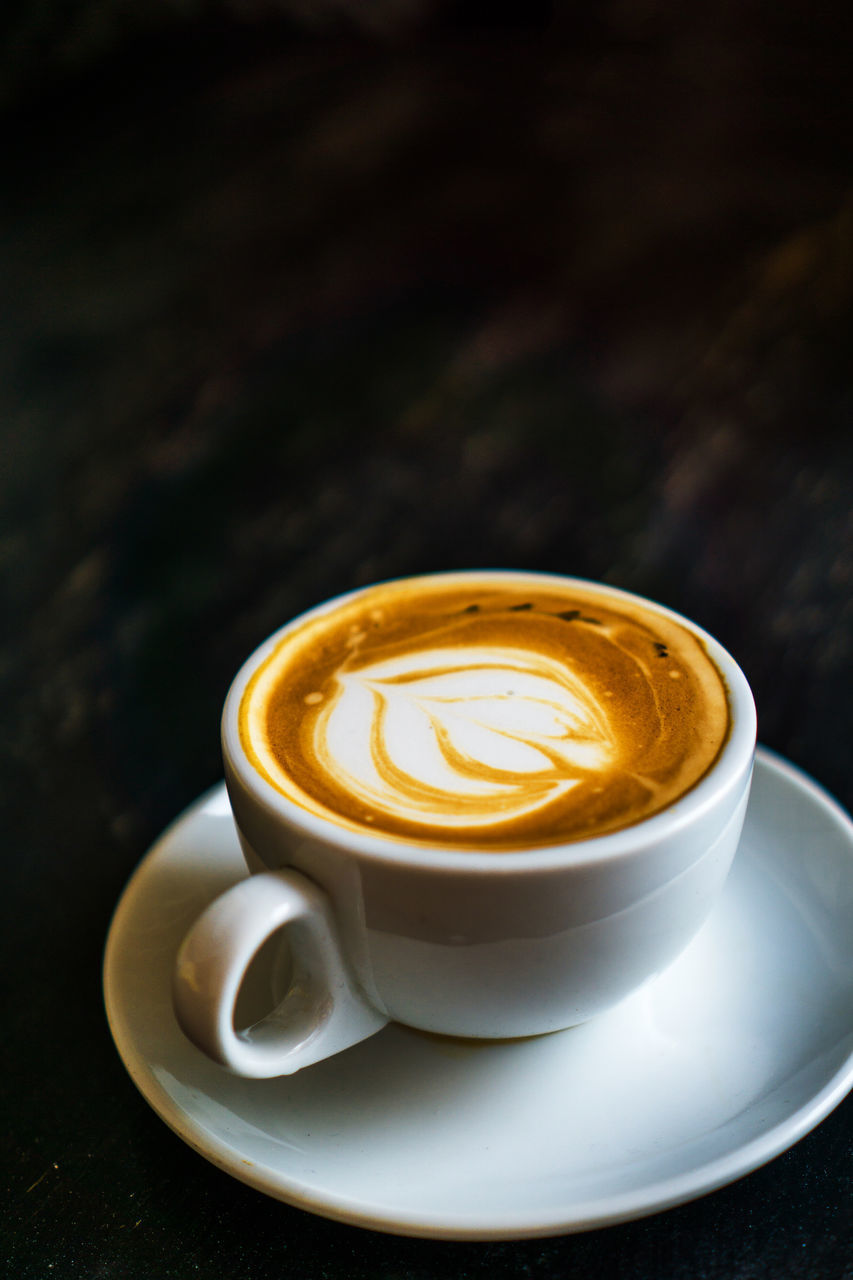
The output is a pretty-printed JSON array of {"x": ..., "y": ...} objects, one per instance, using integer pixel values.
[{"x": 322, "y": 1012}]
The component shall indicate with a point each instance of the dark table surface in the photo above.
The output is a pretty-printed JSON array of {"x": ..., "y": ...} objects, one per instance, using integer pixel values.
[{"x": 289, "y": 306}]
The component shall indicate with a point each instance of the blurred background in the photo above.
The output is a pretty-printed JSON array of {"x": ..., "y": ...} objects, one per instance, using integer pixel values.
[{"x": 295, "y": 296}]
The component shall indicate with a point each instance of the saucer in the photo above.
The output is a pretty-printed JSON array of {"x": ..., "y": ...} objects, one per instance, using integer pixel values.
[{"x": 715, "y": 1066}]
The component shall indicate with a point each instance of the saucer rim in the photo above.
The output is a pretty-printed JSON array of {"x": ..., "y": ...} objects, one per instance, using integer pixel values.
[{"x": 601, "y": 1211}]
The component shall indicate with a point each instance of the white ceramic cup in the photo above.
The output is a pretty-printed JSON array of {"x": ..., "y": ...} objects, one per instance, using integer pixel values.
[{"x": 458, "y": 942}]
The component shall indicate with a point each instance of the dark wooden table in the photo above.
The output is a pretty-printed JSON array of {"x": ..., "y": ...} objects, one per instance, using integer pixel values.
[{"x": 285, "y": 311}]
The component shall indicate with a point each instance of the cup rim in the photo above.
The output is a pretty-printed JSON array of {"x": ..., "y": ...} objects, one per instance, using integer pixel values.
[{"x": 730, "y": 769}]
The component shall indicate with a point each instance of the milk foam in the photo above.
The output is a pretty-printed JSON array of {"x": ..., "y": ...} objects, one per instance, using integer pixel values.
[
  {"x": 461, "y": 738},
  {"x": 489, "y": 712}
]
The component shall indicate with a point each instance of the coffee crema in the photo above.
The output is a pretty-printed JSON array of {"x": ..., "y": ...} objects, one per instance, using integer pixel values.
[{"x": 494, "y": 712}]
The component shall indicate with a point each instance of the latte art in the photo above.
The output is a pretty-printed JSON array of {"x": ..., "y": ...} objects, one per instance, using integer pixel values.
[
  {"x": 462, "y": 738},
  {"x": 487, "y": 712}
]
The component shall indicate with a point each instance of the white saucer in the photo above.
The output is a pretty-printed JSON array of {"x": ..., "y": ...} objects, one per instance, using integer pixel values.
[{"x": 716, "y": 1066}]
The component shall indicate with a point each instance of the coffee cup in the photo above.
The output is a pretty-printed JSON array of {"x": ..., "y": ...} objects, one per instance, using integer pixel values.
[{"x": 488, "y": 804}]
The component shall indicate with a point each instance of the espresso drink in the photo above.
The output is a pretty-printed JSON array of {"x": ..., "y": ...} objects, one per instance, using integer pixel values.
[{"x": 485, "y": 712}]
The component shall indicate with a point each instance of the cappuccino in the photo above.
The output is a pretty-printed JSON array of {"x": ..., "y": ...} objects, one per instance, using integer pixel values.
[{"x": 489, "y": 711}]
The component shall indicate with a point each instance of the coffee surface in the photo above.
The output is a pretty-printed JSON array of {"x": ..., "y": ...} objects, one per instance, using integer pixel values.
[{"x": 488, "y": 713}]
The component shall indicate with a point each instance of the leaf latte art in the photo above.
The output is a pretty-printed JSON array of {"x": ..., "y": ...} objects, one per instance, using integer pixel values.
[
  {"x": 462, "y": 737},
  {"x": 491, "y": 711}
]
